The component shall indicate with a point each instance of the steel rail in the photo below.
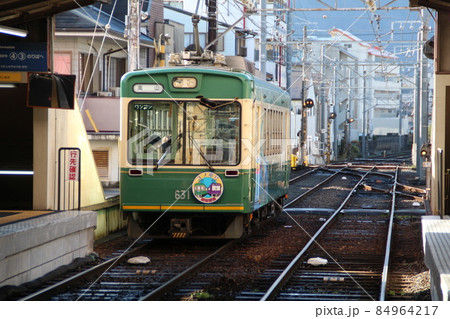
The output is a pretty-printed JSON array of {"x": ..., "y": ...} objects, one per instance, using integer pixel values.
[
  {"x": 312, "y": 189},
  {"x": 385, "y": 273},
  {"x": 303, "y": 175},
  {"x": 45, "y": 293},
  {"x": 169, "y": 285},
  {"x": 344, "y": 170},
  {"x": 293, "y": 265}
]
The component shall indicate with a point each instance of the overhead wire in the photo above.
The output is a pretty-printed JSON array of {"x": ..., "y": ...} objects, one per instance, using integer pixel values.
[{"x": 105, "y": 29}]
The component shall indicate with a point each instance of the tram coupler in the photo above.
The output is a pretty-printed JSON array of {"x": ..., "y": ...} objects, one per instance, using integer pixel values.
[{"x": 180, "y": 227}]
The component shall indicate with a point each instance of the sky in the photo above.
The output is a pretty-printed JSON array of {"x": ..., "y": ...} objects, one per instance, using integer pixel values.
[{"x": 382, "y": 27}]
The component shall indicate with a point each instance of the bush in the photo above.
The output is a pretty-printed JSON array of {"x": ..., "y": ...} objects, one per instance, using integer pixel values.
[{"x": 348, "y": 151}]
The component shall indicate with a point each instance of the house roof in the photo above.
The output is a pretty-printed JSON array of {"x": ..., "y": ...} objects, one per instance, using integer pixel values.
[
  {"x": 372, "y": 49},
  {"x": 16, "y": 12},
  {"x": 90, "y": 18},
  {"x": 336, "y": 32}
]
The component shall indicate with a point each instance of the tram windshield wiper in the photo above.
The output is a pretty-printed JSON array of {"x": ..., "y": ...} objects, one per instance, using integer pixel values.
[
  {"x": 211, "y": 104},
  {"x": 167, "y": 149},
  {"x": 201, "y": 154}
]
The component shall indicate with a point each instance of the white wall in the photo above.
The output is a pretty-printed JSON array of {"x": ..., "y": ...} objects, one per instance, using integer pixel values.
[{"x": 54, "y": 129}]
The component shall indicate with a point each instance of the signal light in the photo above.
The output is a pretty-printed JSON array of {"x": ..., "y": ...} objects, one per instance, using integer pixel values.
[
  {"x": 425, "y": 151},
  {"x": 332, "y": 116},
  {"x": 350, "y": 120},
  {"x": 309, "y": 103}
]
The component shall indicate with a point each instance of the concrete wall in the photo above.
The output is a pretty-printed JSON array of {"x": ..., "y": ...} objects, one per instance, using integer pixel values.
[
  {"x": 35, "y": 247},
  {"x": 109, "y": 220}
]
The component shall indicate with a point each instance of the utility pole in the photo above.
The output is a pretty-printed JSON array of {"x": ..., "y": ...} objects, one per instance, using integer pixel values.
[
  {"x": 263, "y": 40},
  {"x": 304, "y": 133},
  {"x": 335, "y": 109},
  {"x": 421, "y": 108},
  {"x": 212, "y": 23},
  {"x": 363, "y": 142},
  {"x": 424, "y": 86},
  {"x": 322, "y": 115},
  {"x": 289, "y": 50},
  {"x": 348, "y": 117},
  {"x": 400, "y": 106},
  {"x": 133, "y": 22}
]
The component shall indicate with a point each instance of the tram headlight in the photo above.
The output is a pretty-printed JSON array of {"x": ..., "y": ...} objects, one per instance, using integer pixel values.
[{"x": 184, "y": 82}]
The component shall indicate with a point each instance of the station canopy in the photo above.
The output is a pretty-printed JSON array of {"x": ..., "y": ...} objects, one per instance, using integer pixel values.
[
  {"x": 16, "y": 12},
  {"x": 434, "y": 4}
]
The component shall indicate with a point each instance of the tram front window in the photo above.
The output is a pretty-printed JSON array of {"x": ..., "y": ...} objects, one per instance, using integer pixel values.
[
  {"x": 152, "y": 132},
  {"x": 183, "y": 133}
]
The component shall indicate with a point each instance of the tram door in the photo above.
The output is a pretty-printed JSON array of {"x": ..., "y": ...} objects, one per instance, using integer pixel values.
[{"x": 16, "y": 149}]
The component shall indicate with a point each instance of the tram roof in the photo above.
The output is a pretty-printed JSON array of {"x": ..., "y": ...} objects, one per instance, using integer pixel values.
[{"x": 264, "y": 90}]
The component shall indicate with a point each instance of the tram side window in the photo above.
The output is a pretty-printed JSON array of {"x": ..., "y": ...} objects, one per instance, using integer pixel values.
[{"x": 273, "y": 131}]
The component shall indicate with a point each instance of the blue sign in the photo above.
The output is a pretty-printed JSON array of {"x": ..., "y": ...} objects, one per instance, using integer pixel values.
[{"x": 23, "y": 57}]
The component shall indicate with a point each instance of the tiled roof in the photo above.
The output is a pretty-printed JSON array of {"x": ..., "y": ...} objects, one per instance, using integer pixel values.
[{"x": 85, "y": 19}]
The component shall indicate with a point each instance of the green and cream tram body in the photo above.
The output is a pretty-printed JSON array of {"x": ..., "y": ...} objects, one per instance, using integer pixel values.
[{"x": 204, "y": 152}]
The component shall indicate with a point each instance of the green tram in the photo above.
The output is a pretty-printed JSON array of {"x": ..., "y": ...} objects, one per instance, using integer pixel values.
[{"x": 203, "y": 151}]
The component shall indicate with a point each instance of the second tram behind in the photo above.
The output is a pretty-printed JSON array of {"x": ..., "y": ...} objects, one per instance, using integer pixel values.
[{"x": 204, "y": 151}]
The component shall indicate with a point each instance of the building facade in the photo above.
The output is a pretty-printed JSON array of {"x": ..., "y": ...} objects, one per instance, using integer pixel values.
[{"x": 357, "y": 89}]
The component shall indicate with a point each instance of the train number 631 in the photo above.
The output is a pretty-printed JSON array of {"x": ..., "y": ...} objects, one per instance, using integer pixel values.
[{"x": 182, "y": 194}]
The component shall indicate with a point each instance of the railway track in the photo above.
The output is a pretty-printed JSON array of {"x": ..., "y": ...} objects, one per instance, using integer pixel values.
[
  {"x": 117, "y": 279},
  {"x": 355, "y": 238},
  {"x": 291, "y": 269},
  {"x": 354, "y": 244},
  {"x": 211, "y": 279}
]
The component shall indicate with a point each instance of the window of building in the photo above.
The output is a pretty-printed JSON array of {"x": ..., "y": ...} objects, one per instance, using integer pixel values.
[
  {"x": 117, "y": 68},
  {"x": 256, "y": 52},
  {"x": 62, "y": 62},
  {"x": 85, "y": 72},
  {"x": 174, "y": 3},
  {"x": 101, "y": 158},
  {"x": 270, "y": 52},
  {"x": 189, "y": 39},
  {"x": 240, "y": 50}
]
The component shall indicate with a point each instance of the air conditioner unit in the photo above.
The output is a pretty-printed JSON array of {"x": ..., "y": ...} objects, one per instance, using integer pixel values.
[
  {"x": 115, "y": 91},
  {"x": 104, "y": 93}
]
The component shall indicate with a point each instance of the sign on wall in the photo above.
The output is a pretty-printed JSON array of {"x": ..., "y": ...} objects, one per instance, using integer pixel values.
[
  {"x": 73, "y": 165},
  {"x": 23, "y": 57}
]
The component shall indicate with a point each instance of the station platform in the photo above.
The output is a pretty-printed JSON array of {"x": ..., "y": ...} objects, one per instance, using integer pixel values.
[
  {"x": 12, "y": 216},
  {"x": 34, "y": 243},
  {"x": 436, "y": 247}
]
